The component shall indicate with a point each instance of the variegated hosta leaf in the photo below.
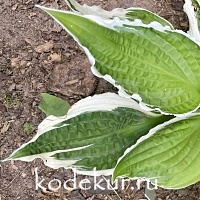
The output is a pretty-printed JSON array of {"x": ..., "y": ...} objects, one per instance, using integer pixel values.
[
  {"x": 192, "y": 9},
  {"x": 160, "y": 65},
  {"x": 171, "y": 155},
  {"x": 130, "y": 13},
  {"x": 94, "y": 134}
]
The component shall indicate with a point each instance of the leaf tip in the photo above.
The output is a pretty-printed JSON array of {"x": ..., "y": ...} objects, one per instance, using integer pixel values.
[
  {"x": 45, "y": 9},
  {"x": 113, "y": 179}
]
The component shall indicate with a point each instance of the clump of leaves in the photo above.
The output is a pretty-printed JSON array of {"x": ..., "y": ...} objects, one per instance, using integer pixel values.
[{"x": 151, "y": 129}]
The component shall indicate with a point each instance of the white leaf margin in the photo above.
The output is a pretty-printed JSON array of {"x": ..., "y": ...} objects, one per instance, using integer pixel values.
[
  {"x": 98, "y": 11},
  {"x": 189, "y": 10},
  {"x": 150, "y": 134},
  {"x": 111, "y": 24}
]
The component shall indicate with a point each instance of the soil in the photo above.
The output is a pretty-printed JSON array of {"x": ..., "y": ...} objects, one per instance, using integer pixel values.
[{"x": 37, "y": 55}]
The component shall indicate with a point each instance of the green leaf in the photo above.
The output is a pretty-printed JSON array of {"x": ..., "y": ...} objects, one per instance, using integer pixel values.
[
  {"x": 131, "y": 13},
  {"x": 91, "y": 138},
  {"x": 171, "y": 155},
  {"x": 52, "y": 105},
  {"x": 160, "y": 65},
  {"x": 196, "y": 4},
  {"x": 28, "y": 128}
]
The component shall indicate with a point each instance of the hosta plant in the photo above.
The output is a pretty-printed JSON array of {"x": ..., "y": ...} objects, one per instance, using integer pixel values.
[{"x": 151, "y": 128}]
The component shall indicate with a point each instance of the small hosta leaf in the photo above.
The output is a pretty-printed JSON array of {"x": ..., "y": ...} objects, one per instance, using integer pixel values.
[
  {"x": 160, "y": 65},
  {"x": 52, "y": 105},
  {"x": 95, "y": 133},
  {"x": 171, "y": 155},
  {"x": 131, "y": 13}
]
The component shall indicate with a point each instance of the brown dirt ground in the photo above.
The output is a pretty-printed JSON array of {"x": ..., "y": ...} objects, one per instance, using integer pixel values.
[{"x": 36, "y": 56}]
